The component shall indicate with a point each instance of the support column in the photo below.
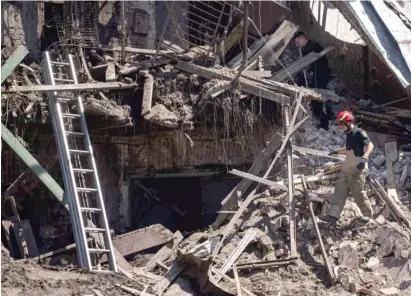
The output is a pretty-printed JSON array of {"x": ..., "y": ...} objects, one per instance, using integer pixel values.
[{"x": 123, "y": 185}]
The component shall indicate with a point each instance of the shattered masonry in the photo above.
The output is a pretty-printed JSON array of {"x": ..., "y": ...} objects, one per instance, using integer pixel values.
[{"x": 191, "y": 147}]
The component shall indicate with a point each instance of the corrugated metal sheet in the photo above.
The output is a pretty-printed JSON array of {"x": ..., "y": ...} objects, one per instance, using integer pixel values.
[{"x": 385, "y": 27}]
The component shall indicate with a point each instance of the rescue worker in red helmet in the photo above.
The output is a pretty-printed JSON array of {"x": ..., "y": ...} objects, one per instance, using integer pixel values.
[{"x": 353, "y": 173}]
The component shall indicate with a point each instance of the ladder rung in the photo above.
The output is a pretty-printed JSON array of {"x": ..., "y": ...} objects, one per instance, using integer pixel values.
[
  {"x": 85, "y": 189},
  {"x": 83, "y": 170},
  {"x": 91, "y": 210},
  {"x": 60, "y": 63},
  {"x": 99, "y": 250},
  {"x": 70, "y": 115},
  {"x": 63, "y": 80},
  {"x": 79, "y": 151},
  {"x": 92, "y": 229},
  {"x": 75, "y": 134}
]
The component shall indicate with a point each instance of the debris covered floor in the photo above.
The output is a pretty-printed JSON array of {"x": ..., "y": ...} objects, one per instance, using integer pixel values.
[{"x": 156, "y": 107}]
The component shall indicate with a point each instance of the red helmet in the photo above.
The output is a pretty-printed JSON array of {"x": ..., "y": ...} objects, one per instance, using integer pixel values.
[{"x": 345, "y": 116}]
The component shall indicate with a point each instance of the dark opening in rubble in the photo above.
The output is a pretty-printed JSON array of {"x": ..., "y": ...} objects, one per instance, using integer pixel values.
[{"x": 199, "y": 198}]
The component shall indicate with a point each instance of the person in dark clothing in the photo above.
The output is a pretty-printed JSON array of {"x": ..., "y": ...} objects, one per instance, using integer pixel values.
[{"x": 321, "y": 76}]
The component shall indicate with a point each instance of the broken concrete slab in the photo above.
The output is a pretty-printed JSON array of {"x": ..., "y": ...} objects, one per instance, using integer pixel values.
[
  {"x": 390, "y": 240},
  {"x": 142, "y": 239},
  {"x": 392, "y": 291},
  {"x": 347, "y": 255},
  {"x": 180, "y": 287}
]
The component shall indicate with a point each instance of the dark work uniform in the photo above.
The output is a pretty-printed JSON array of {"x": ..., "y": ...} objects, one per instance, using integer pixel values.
[
  {"x": 321, "y": 77},
  {"x": 351, "y": 179},
  {"x": 357, "y": 140}
]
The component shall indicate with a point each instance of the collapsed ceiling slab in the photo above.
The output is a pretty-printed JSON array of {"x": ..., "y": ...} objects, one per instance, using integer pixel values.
[{"x": 386, "y": 28}]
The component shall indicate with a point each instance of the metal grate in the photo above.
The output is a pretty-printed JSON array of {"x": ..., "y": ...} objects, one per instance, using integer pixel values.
[
  {"x": 77, "y": 26},
  {"x": 200, "y": 24}
]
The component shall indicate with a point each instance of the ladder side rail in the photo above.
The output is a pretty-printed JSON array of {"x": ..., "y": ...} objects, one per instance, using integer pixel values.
[{"x": 100, "y": 200}]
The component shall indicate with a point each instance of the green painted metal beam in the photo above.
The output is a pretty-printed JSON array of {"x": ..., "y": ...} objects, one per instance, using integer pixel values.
[
  {"x": 33, "y": 164},
  {"x": 12, "y": 62}
]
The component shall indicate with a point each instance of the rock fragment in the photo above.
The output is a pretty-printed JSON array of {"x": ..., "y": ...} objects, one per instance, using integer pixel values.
[
  {"x": 392, "y": 291},
  {"x": 347, "y": 255},
  {"x": 372, "y": 263}
]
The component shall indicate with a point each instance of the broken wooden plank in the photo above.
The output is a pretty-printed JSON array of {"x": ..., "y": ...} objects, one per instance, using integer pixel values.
[
  {"x": 142, "y": 51},
  {"x": 142, "y": 239},
  {"x": 314, "y": 178},
  {"x": 29, "y": 237},
  {"x": 235, "y": 63},
  {"x": 233, "y": 37},
  {"x": 391, "y": 155},
  {"x": 267, "y": 263},
  {"x": 72, "y": 87},
  {"x": 261, "y": 74},
  {"x": 165, "y": 251},
  {"x": 227, "y": 278},
  {"x": 97, "y": 292},
  {"x": 151, "y": 63},
  {"x": 235, "y": 194},
  {"x": 13, "y": 61},
  {"x": 251, "y": 177},
  {"x": 237, "y": 280},
  {"x": 18, "y": 230},
  {"x": 327, "y": 263},
  {"x": 58, "y": 251},
  {"x": 290, "y": 173},
  {"x": 246, "y": 84},
  {"x": 8, "y": 229},
  {"x": 392, "y": 206},
  {"x": 133, "y": 291},
  {"x": 304, "y": 150},
  {"x": 276, "y": 44},
  {"x": 229, "y": 202},
  {"x": 232, "y": 258},
  {"x": 169, "y": 278},
  {"x": 300, "y": 64},
  {"x": 141, "y": 272}
]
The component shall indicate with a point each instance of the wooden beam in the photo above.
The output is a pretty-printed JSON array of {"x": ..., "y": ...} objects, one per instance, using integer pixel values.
[
  {"x": 227, "y": 278},
  {"x": 165, "y": 251},
  {"x": 233, "y": 37},
  {"x": 281, "y": 36},
  {"x": 327, "y": 263},
  {"x": 246, "y": 84},
  {"x": 304, "y": 150},
  {"x": 264, "y": 181},
  {"x": 169, "y": 278},
  {"x": 237, "y": 280},
  {"x": 300, "y": 64},
  {"x": 392, "y": 206},
  {"x": 148, "y": 237},
  {"x": 262, "y": 161},
  {"x": 72, "y": 87},
  {"x": 13, "y": 61},
  {"x": 261, "y": 74}
]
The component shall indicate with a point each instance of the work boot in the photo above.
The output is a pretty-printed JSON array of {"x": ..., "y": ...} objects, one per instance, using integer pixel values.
[{"x": 326, "y": 221}]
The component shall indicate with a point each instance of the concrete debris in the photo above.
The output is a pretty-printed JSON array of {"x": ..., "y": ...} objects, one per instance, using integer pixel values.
[
  {"x": 372, "y": 263},
  {"x": 274, "y": 243},
  {"x": 392, "y": 291},
  {"x": 347, "y": 255}
]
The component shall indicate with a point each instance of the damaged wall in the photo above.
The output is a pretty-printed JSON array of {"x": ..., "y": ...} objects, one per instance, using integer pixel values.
[
  {"x": 22, "y": 23},
  {"x": 140, "y": 21},
  {"x": 325, "y": 24}
]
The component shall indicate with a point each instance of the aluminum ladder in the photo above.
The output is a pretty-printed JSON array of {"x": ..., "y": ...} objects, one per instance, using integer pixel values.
[{"x": 81, "y": 182}]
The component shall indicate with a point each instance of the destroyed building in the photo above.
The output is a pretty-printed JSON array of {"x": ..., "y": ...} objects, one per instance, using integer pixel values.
[{"x": 196, "y": 123}]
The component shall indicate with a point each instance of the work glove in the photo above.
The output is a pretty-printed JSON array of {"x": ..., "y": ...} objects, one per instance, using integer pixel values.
[
  {"x": 361, "y": 163},
  {"x": 334, "y": 152}
]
